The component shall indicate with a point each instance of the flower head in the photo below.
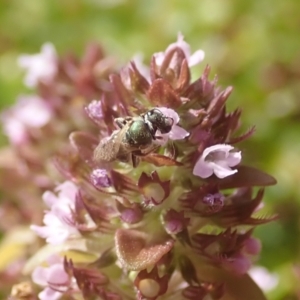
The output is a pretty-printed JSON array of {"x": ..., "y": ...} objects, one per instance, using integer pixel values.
[
  {"x": 217, "y": 159},
  {"x": 41, "y": 67},
  {"x": 152, "y": 220}
]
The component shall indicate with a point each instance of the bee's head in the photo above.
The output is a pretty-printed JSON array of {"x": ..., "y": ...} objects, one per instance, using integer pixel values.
[{"x": 159, "y": 121}]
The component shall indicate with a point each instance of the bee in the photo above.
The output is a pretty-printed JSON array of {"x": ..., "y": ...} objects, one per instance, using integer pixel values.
[{"x": 135, "y": 137}]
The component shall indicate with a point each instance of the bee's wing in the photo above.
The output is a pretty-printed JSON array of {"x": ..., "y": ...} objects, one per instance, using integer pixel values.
[{"x": 109, "y": 147}]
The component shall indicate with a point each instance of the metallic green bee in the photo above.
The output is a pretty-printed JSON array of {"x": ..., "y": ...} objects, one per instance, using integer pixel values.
[{"x": 136, "y": 137}]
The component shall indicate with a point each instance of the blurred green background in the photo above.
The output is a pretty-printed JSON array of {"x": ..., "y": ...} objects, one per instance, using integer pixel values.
[{"x": 252, "y": 45}]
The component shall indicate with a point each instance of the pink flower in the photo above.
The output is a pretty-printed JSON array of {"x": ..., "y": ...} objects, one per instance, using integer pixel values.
[
  {"x": 53, "y": 278},
  {"x": 217, "y": 159},
  {"x": 193, "y": 59},
  {"x": 28, "y": 112},
  {"x": 66, "y": 193},
  {"x": 41, "y": 67},
  {"x": 59, "y": 221},
  {"x": 137, "y": 59},
  {"x": 239, "y": 264},
  {"x": 177, "y": 132},
  {"x": 252, "y": 246}
]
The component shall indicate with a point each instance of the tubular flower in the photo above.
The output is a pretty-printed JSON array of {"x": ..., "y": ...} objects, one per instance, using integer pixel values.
[
  {"x": 53, "y": 278},
  {"x": 218, "y": 160},
  {"x": 40, "y": 67},
  {"x": 193, "y": 59},
  {"x": 29, "y": 112},
  {"x": 59, "y": 221},
  {"x": 131, "y": 219}
]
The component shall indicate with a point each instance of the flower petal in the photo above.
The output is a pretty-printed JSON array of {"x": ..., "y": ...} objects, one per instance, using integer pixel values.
[
  {"x": 54, "y": 259},
  {"x": 49, "y": 294},
  {"x": 14, "y": 130},
  {"x": 41, "y": 231},
  {"x": 58, "y": 238},
  {"x": 170, "y": 113},
  {"x": 40, "y": 67},
  {"x": 159, "y": 58},
  {"x": 57, "y": 275},
  {"x": 39, "y": 276},
  {"x": 68, "y": 189},
  {"x": 202, "y": 169},
  {"x": 196, "y": 58},
  {"x": 184, "y": 46},
  {"x": 234, "y": 158},
  {"x": 49, "y": 198},
  {"x": 219, "y": 147},
  {"x": 222, "y": 171},
  {"x": 178, "y": 133}
]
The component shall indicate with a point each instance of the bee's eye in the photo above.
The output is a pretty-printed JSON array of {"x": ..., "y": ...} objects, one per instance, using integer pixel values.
[{"x": 157, "y": 112}]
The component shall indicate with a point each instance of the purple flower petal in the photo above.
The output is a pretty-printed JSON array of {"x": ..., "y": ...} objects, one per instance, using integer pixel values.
[
  {"x": 49, "y": 198},
  {"x": 202, "y": 169},
  {"x": 67, "y": 190},
  {"x": 50, "y": 294},
  {"x": 234, "y": 158},
  {"x": 178, "y": 133},
  {"x": 222, "y": 171},
  {"x": 39, "y": 276},
  {"x": 29, "y": 111},
  {"x": 40, "y": 67},
  {"x": 196, "y": 58},
  {"x": 54, "y": 278},
  {"x": 168, "y": 112},
  {"x": 58, "y": 227},
  {"x": 57, "y": 275},
  {"x": 54, "y": 259},
  {"x": 192, "y": 60},
  {"x": 239, "y": 264}
]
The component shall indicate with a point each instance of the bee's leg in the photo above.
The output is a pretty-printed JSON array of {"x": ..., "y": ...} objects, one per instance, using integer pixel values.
[
  {"x": 145, "y": 153},
  {"x": 135, "y": 160},
  {"x": 121, "y": 122},
  {"x": 124, "y": 158}
]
